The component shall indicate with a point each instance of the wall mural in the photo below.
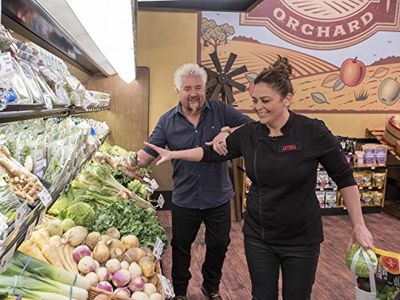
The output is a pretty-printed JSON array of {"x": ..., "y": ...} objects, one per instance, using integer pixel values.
[{"x": 345, "y": 53}]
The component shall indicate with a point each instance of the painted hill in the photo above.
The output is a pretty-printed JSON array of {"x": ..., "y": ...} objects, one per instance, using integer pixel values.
[
  {"x": 387, "y": 60},
  {"x": 256, "y": 56}
]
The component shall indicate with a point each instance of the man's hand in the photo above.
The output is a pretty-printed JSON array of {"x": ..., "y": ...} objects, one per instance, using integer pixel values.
[{"x": 219, "y": 143}]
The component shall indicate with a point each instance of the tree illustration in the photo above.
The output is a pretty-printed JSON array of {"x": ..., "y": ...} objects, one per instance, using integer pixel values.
[{"x": 214, "y": 35}]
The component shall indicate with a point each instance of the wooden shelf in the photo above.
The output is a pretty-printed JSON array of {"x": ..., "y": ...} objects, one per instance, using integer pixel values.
[{"x": 378, "y": 134}]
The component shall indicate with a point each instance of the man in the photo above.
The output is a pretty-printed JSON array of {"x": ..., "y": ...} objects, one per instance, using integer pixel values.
[{"x": 202, "y": 191}]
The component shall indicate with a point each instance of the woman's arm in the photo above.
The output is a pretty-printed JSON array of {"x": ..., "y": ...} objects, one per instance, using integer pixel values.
[
  {"x": 194, "y": 154},
  {"x": 360, "y": 233}
]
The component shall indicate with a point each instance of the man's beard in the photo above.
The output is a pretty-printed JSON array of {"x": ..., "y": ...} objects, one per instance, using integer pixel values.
[{"x": 193, "y": 107}]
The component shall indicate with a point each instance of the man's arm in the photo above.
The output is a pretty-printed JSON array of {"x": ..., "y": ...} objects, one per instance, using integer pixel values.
[{"x": 143, "y": 159}]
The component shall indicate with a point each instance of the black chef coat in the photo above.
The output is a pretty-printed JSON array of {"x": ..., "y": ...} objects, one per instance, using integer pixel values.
[{"x": 282, "y": 207}]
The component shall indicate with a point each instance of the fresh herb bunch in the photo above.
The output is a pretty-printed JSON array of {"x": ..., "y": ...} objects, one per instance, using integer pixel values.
[{"x": 129, "y": 218}]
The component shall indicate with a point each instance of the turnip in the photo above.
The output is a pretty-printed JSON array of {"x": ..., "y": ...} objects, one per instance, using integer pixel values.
[
  {"x": 139, "y": 296},
  {"x": 86, "y": 265},
  {"x": 103, "y": 274},
  {"x": 135, "y": 270},
  {"x": 130, "y": 241},
  {"x": 93, "y": 278},
  {"x": 75, "y": 235},
  {"x": 148, "y": 266},
  {"x": 156, "y": 296},
  {"x": 124, "y": 265},
  {"x": 80, "y": 252},
  {"x": 104, "y": 285},
  {"x": 121, "y": 278},
  {"x": 113, "y": 265},
  {"x": 122, "y": 292},
  {"x": 149, "y": 289},
  {"x": 136, "y": 284}
]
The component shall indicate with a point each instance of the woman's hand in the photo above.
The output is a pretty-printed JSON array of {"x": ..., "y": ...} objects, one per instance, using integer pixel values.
[
  {"x": 165, "y": 155},
  {"x": 361, "y": 235}
]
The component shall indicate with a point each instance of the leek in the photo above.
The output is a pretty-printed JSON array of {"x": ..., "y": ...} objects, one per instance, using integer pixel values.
[
  {"x": 44, "y": 270},
  {"x": 44, "y": 285},
  {"x": 31, "y": 295}
]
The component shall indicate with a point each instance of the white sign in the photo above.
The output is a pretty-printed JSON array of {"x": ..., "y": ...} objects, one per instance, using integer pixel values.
[
  {"x": 45, "y": 197},
  {"x": 160, "y": 201},
  {"x": 158, "y": 248},
  {"x": 154, "y": 184},
  {"x": 6, "y": 258},
  {"x": 167, "y": 287},
  {"x": 21, "y": 214},
  {"x": 6, "y": 69}
]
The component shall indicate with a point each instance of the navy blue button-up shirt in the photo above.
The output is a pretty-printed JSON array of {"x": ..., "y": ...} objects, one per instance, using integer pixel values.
[{"x": 198, "y": 185}]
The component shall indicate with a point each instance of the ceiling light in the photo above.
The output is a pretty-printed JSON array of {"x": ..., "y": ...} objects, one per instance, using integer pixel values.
[{"x": 111, "y": 26}]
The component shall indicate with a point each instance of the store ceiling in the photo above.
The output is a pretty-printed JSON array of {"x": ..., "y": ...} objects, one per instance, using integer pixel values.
[{"x": 199, "y": 5}]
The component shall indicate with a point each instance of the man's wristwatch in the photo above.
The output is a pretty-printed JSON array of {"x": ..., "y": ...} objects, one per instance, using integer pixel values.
[{"x": 226, "y": 129}]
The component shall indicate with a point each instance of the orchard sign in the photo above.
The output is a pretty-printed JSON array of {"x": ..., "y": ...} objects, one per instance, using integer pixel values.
[{"x": 317, "y": 24}]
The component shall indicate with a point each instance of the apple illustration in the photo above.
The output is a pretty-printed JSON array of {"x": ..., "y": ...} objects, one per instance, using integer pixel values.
[{"x": 352, "y": 72}]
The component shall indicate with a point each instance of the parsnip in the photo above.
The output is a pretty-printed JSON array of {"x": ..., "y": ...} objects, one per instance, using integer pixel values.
[
  {"x": 67, "y": 249},
  {"x": 29, "y": 248},
  {"x": 50, "y": 252},
  {"x": 39, "y": 239},
  {"x": 64, "y": 262}
]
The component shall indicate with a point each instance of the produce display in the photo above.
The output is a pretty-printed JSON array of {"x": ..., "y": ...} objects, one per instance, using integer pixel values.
[
  {"x": 50, "y": 148},
  {"x": 110, "y": 261},
  {"x": 35, "y": 76},
  {"x": 26, "y": 185},
  {"x": 34, "y": 279},
  {"x": 129, "y": 218}
]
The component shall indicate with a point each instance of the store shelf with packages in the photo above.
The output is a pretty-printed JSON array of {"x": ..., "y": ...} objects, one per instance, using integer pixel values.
[
  {"x": 371, "y": 181},
  {"x": 378, "y": 135},
  {"x": 28, "y": 219},
  {"x": 20, "y": 112}
]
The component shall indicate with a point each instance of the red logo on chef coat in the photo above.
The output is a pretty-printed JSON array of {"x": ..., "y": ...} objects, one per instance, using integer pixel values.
[
  {"x": 317, "y": 24},
  {"x": 289, "y": 148}
]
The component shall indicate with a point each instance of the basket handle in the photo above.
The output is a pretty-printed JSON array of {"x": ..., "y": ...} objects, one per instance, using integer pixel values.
[{"x": 369, "y": 265}]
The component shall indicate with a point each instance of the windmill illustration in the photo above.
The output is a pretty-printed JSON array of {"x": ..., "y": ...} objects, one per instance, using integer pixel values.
[{"x": 221, "y": 82}]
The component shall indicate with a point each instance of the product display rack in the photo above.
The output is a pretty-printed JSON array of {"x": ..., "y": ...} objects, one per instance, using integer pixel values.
[
  {"x": 340, "y": 209},
  {"x": 378, "y": 135},
  {"x": 35, "y": 216},
  {"x": 19, "y": 112}
]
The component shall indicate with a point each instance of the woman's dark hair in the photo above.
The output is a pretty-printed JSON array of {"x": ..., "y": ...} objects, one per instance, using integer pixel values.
[{"x": 278, "y": 76}]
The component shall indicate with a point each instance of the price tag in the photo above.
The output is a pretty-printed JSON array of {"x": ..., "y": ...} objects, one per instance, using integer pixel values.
[
  {"x": 6, "y": 69},
  {"x": 167, "y": 286},
  {"x": 158, "y": 248},
  {"x": 154, "y": 184},
  {"x": 160, "y": 201},
  {"x": 21, "y": 214},
  {"x": 40, "y": 164},
  {"x": 29, "y": 231},
  {"x": 45, "y": 197}
]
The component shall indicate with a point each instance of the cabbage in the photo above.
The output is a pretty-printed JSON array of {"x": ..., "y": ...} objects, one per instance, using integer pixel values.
[
  {"x": 82, "y": 213},
  {"x": 361, "y": 269}
]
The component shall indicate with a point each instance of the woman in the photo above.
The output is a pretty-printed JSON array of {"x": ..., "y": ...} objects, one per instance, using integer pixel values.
[{"x": 283, "y": 227}]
